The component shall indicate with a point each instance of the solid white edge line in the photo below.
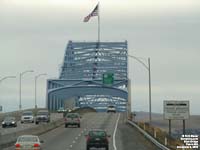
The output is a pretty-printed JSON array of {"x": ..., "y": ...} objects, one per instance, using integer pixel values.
[{"x": 114, "y": 134}]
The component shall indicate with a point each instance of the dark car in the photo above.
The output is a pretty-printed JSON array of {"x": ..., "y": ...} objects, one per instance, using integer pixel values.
[
  {"x": 97, "y": 138},
  {"x": 9, "y": 122},
  {"x": 42, "y": 116},
  {"x": 72, "y": 119}
]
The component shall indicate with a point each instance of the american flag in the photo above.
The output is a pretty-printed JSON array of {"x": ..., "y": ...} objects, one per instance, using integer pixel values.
[{"x": 92, "y": 14}]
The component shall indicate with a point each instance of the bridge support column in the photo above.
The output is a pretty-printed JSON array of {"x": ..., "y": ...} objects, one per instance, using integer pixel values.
[
  {"x": 129, "y": 99},
  {"x": 54, "y": 100},
  {"x": 51, "y": 102},
  {"x": 62, "y": 103},
  {"x": 59, "y": 103}
]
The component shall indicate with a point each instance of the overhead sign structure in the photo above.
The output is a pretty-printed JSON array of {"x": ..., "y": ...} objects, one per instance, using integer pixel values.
[
  {"x": 108, "y": 78},
  {"x": 176, "y": 110}
]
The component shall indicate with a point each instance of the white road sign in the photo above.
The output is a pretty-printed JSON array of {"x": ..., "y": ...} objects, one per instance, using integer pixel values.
[{"x": 176, "y": 110}]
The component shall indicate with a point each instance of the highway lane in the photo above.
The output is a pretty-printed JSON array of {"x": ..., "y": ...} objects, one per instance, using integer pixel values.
[
  {"x": 72, "y": 138},
  {"x": 20, "y": 127}
]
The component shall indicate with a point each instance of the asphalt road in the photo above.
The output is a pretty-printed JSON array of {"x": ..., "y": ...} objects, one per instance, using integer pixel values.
[
  {"x": 123, "y": 136},
  {"x": 20, "y": 127}
]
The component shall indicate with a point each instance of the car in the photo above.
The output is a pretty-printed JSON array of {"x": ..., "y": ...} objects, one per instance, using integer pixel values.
[
  {"x": 42, "y": 116},
  {"x": 27, "y": 116},
  {"x": 28, "y": 142},
  {"x": 9, "y": 122},
  {"x": 75, "y": 108},
  {"x": 72, "y": 119},
  {"x": 61, "y": 110},
  {"x": 97, "y": 138},
  {"x": 68, "y": 110},
  {"x": 111, "y": 108}
]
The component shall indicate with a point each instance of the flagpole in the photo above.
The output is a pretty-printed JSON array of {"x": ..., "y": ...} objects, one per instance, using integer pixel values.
[{"x": 98, "y": 23}]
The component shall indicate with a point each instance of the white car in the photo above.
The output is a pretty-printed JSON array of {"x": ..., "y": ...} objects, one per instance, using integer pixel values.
[
  {"x": 111, "y": 108},
  {"x": 27, "y": 116},
  {"x": 28, "y": 142},
  {"x": 61, "y": 110}
]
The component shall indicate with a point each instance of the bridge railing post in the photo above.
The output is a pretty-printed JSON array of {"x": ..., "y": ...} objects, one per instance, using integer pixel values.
[
  {"x": 165, "y": 140},
  {"x": 155, "y": 133}
]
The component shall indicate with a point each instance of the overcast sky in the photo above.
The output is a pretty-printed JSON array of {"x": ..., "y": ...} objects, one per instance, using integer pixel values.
[{"x": 34, "y": 34}]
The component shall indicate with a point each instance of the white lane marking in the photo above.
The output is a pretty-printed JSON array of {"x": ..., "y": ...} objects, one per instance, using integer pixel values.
[{"x": 114, "y": 134}]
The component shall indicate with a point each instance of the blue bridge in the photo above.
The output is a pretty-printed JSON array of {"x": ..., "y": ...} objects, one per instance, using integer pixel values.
[{"x": 93, "y": 74}]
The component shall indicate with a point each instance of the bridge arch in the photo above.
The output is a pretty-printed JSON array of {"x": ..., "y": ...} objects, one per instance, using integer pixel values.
[{"x": 82, "y": 72}]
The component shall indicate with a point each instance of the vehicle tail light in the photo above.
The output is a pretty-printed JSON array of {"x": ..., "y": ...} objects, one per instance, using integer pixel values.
[
  {"x": 88, "y": 138},
  {"x": 17, "y": 145},
  {"x": 65, "y": 119},
  {"x": 107, "y": 139},
  {"x": 78, "y": 120},
  {"x": 36, "y": 145}
]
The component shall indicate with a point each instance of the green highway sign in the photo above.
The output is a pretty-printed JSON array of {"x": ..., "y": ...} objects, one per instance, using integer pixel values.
[{"x": 108, "y": 78}]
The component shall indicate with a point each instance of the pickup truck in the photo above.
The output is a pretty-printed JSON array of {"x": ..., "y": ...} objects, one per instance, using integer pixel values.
[{"x": 42, "y": 116}]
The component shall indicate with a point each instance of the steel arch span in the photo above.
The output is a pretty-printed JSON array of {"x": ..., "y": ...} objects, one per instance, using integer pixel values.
[{"x": 81, "y": 81}]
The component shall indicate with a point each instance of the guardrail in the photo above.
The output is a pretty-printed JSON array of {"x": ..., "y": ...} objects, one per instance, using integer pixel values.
[{"x": 153, "y": 140}]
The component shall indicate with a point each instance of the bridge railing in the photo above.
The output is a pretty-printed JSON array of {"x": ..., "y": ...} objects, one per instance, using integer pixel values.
[{"x": 159, "y": 137}]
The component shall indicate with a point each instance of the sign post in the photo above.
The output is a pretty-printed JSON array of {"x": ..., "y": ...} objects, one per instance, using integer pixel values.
[
  {"x": 1, "y": 108},
  {"x": 183, "y": 127},
  {"x": 170, "y": 127},
  {"x": 176, "y": 110}
]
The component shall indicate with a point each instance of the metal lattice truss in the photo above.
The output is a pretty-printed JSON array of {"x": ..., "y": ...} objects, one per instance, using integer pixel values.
[
  {"x": 81, "y": 76},
  {"x": 89, "y": 60}
]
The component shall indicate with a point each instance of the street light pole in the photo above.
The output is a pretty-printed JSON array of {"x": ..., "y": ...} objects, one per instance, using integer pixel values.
[
  {"x": 0, "y": 82},
  {"x": 20, "y": 89},
  {"x": 149, "y": 89},
  {"x": 149, "y": 71},
  {"x": 36, "y": 77}
]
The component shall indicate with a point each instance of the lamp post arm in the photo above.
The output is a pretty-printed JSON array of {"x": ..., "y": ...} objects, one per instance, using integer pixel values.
[
  {"x": 21, "y": 74},
  {"x": 139, "y": 61},
  {"x": 7, "y": 77},
  {"x": 40, "y": 75}
]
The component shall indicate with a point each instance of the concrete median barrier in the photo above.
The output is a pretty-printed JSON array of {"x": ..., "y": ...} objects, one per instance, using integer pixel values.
[{"x": 9, "y": 139}]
